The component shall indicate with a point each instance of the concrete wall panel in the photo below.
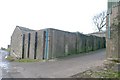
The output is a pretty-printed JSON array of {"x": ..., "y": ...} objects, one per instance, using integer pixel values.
[
  {"x": 40, "y": 44},
  {"x": 26, "y": 46},
  {"x": 81, "y": 42},
  {"x": 89, "y": 43},
  {"x": 32, "y": 45},
  {"x": 70, "y": 43},
  {"x": 58, "y": 43},
  {"x": 50, "y": 46}
]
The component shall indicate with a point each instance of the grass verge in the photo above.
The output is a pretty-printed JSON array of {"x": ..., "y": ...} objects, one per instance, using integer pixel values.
[
  {"x": 104, "y": 71},
  {"x": 27, "y": 60},
  {"x": 9, "y": 58},
  {"x": 98, "y": 74}
]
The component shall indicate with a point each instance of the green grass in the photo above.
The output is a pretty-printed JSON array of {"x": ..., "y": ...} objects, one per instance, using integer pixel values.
[
  {"x": 8, "y": 49},
  {"x": 98, "y": 74},
  {"x": 107, "y": 74},
  {"x": 106, "y": 71},
  {"x": 27, "y": 60},
  {"x": 9, "y": 58}
]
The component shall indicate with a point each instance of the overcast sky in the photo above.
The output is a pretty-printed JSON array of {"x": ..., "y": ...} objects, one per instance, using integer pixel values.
[{"x": 68, "y": 15}]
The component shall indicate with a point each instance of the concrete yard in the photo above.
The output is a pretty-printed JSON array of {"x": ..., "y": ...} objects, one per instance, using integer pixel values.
[{"x": 57, "y": 68}]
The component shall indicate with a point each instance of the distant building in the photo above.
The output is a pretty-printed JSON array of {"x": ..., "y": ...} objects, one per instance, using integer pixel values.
[
  {"x": 99, "y": 34},
  {"x": 51, "y": 43},
  {"x": 8, "y": 46}
]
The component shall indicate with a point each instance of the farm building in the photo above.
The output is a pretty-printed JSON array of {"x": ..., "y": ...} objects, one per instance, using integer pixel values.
[
  {"x": 51, "y": 43},
  {"x": 99, "y": 34}
]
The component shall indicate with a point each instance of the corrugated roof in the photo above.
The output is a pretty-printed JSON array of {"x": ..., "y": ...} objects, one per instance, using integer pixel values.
[
  {"x": 23, "y": 29},
  {"x": 98, "y": 32}
]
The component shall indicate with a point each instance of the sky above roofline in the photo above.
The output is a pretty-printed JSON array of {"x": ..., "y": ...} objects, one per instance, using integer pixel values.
[{"x": 67, "y": 15}]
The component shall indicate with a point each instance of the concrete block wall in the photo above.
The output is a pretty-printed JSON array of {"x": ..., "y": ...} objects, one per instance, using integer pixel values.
[
  {"x": 52, "y": 43},
  {"x": 16, "y": 43},
  {"x": 29, "y": 52},
  {"x": 50, "y": 39},
  {"x": 89, "y": 43},
  {"x": 26, "y": 46},
  {"x": 81, "y": 42},
  {"x": 40, "y": 47},
  {"x": 70, "y": 43},
  {"x": 32, "y": 45},
  {"x": 98, "y": 42},
  {"x": 61, "y": 43},
  {"x": 95, "y": 43},
  {"x": 58, "y": 43},
  {"x": 103, "y": 42}
]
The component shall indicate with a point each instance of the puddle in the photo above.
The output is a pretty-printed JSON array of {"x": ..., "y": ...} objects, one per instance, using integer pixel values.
[
  {"x": 7, "y": 70},
  {"x": 4, "y": 64}
]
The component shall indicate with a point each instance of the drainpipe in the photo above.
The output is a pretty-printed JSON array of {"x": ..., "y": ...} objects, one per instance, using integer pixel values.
[
  {"x": 109, "y": 12},
  {"x": 46, "y": 46}
]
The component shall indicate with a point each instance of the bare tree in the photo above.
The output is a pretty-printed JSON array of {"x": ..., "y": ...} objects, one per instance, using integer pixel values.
[{"x": 100, "y": 20}]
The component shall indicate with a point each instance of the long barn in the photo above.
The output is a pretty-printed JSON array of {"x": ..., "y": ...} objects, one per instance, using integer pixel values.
[{"x": 51, "y": 43}]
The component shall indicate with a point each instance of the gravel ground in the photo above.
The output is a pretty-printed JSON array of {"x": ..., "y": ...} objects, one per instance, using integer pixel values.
[{"x": 57, "y": 68}]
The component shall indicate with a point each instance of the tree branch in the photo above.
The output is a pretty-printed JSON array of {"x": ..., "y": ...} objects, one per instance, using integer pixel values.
[{"x": 100, "y": 20}]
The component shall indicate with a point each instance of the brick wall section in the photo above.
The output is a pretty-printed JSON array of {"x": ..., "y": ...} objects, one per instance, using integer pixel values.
[{"x": 16, "y": 42}]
